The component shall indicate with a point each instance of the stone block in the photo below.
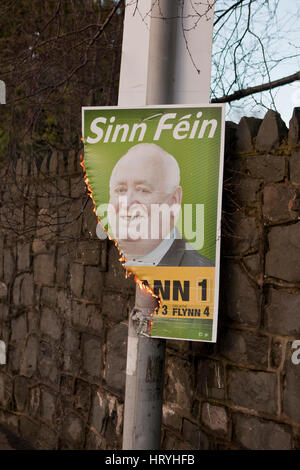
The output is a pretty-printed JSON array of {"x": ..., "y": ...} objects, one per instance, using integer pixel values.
[
  {"x": 91, "y": 354},
  {"x": 254, "y": 390},
  {"x": 47, "y": 221},
  {"x": 295, "y": 167},
  {"x": 34, "y": 402},
  {"x": 63, "y": 190},
  {"x": 29, "y": 360},
  {"x": 89, "y": 219},
  {"x": 82, "y": 396},
  {"x": 76, "y": 279},
  {"x": 281, "y": 313},
  {"x": 47, "y": 438},
  {"x": 240, "y": 300},
  {"x": 33, "y": 320},
  {"x": 88, "y": 252},
  {"x": 9, "y": 265},
  {"x": 73, "y": 430},
  {"x": 230, "y": 136},
  {"x": 240, "y": 234},
  {"x": 171, "y": 418},
  {"x": 1, "y": 254},
  {"x": 67, "y": 385},
  {"x": 10, "y": 420},
  {"x": 275, "y": 353},
  {"x": 78, "y": 187},
  {"x": 48, "y": 406},
  {"x": 194, "y": 436},
  {"x": 244, "y": 347},
  {"x": 19, "y": 329},
  {"x": 53, "y": 163},
  {"x": 215, "y": 418},
  {"x": 294, "y": 127},
  {"x": 95, "y": 442},
  {"x": 114, "y": 306},
  {"x": 290, "y": 388},
  {"x": 27, "y": 290},
  {"x": 3, "y": 291},
  {"x": 116, "y": 356},
  {"x": 244, "y": 189},
  {"x": 62, "y": 266},
  {"x": 70, "y": 216},
  {"x": 5, "y": 390},
  {"x": 29, "y": 430},
  {"x": 30, "y": 217},
  {"x": 49, "y": 363},
  {"x": 271, "y": 132},
  {"x": 183, "y": 347},
  {"x": 23, "y": 290},
  {"x": 276, "y": 203},
  {"x": 283, "y": 257},
  {"x": 62, "y": 161},
  {"x": 246, "y": 130},
  {"x": 51, "y": 324},
  {"x": 253, "y": 265},
  {"x": 71, "y": 354},
  {"x": 49, "y": 296},
  {"x": 44, "y": 269},
  {"x": 171, "y": 442},
  {"x": 87, "y": 316},
  {"x": 64, "y": 302},
  {"x": 115, "y": 278},
  {"x": 270, "y": 168},
  {"x": 21, "y": 392},
  {"x": 113, "y": 429},
  {"x": 3, "y": 315},
  {"x": 179, "y": 384},
  {"x": 23, "y": 256},
  {"x": 256, "y": 434},
  {"x": 71, "y": 159},
  {"x": 211, "y": 379},
  {"x": 16, "y": 297},
  {"x": 93, "y": 282},
  {"x": 99, "y": 412}
]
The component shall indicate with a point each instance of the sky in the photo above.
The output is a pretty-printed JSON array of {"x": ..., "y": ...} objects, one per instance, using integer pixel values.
[
  {"x": 283, "y": 32},
  {"x": 288, "y": 96}
]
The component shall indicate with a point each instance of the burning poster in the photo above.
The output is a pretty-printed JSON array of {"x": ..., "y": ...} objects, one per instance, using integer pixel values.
[{"x": 156, "y": 179}]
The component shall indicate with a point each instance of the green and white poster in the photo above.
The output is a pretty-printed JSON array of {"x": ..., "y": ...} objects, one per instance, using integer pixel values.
[{"x": 155, "y": 176}]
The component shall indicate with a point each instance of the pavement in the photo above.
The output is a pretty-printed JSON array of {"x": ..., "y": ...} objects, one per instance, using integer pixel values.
[{"x": 10, "y": 441}]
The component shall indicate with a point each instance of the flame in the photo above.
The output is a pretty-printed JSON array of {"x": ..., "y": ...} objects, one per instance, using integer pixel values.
[
  {"x": 122, "y": 258},
  {"x": 147, "y": 288}
]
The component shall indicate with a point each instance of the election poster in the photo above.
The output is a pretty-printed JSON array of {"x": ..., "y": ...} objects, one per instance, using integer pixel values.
[{"x": 155, "y": 176}]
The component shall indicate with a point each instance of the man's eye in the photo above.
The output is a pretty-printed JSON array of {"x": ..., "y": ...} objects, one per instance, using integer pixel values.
[
  {"x": 121, "y": 190},
  {"x": 143, "y": 190}
]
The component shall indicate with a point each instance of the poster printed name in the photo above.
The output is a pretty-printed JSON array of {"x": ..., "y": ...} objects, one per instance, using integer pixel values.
[
  {"x": 185, "y": 127},
  {"x": 155, "y": 174}
]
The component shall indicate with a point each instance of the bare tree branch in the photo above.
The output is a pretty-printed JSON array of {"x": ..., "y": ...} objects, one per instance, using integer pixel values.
[{"x": 237, "y": 95}]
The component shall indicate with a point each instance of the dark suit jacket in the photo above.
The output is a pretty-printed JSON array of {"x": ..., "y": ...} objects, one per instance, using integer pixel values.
[{"x": 178, "y": 255}]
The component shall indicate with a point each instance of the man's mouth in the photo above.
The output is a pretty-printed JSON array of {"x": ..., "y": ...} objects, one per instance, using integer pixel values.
[{"x": 132, "y": 218}]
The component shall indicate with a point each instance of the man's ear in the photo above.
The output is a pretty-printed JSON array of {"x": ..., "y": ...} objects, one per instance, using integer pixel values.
[{"x": 177, "y": 196}]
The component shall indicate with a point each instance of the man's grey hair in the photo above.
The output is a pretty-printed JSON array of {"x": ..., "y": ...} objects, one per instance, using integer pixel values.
[{"x": 167, "y": 161}]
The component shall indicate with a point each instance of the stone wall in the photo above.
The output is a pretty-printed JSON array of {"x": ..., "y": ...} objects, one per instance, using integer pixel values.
[{"x": 64, "y": 303}]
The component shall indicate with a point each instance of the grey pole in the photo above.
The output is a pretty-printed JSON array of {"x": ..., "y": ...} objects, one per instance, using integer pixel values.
[
  {"x": 155, "y": 69},
  {"x": 144, "y": 380},
  {"x": 146, "y": 356}
]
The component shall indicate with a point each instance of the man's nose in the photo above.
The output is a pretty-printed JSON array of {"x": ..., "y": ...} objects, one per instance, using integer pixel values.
[{"x": 132, "y": 197}]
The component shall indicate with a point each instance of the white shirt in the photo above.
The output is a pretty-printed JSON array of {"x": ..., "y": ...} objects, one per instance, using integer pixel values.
[{"x": 155, "y": 256}]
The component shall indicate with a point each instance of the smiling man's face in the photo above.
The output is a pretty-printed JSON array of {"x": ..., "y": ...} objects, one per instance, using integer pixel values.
[{"x": 139, "y": 181}]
